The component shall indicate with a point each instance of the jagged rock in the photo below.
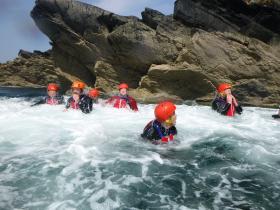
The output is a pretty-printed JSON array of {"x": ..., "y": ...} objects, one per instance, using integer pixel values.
[
  {"x": 164, "y": 57},
  {"x": 258, "y": 19}
]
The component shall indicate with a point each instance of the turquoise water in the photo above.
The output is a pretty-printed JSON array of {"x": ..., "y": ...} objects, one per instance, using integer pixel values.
[{"x": 50, "y": 159}]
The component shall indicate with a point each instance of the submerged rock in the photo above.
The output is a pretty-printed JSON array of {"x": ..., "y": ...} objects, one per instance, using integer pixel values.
[{"x": 167, "y": 56}]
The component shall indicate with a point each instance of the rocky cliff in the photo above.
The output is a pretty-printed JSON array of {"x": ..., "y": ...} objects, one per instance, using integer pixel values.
[{"x": 171, "y": 56}]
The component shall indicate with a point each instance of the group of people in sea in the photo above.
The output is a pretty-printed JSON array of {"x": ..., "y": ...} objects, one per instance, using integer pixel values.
[{"x": 160, "y": 130}]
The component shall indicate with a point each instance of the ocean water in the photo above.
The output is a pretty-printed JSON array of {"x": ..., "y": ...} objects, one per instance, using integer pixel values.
[{"x": 55, "y": 160}]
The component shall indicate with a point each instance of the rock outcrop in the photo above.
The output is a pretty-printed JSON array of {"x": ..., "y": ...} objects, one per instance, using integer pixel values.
[
  {"x": 35, "y": 69},
  {"x": 173, "y": 56}
]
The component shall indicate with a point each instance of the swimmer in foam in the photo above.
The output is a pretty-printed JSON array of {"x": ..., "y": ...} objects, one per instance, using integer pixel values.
[
  {"x": 78, "y": 100},
  {"x": 162, "y": 129},
  {"x": 225, "y": 103},
  {"x": 53, "y": 97},
  {"x": 123, "y": 100}
]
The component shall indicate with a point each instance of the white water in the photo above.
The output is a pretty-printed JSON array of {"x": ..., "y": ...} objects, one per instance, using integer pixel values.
[{"x": 50, "y": 159}]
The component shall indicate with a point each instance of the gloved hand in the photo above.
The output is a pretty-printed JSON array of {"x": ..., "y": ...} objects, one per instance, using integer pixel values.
[{"x": 164, "y": 140}]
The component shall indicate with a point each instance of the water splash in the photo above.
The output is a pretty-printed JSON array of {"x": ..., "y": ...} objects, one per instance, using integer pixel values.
[{"x": 50, "y": 159}]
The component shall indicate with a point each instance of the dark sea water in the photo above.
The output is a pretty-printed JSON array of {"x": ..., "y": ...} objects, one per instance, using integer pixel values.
[{"x": 50, "y": 159}]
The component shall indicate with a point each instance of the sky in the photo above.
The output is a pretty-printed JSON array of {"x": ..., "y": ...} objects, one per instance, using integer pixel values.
[{"x": 18, "y": 31}]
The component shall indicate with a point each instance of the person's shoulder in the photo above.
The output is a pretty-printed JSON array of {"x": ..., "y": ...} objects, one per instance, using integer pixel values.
[{"x": 156, "y": 123}]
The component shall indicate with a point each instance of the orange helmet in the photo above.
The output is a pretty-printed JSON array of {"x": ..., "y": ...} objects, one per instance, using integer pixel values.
[
  {"x": 93, "y": 93},
  {"x": 78, "y": 84},
  {"x": 222, "y": 87},
  {"x": 52, "y": 87},
  {"x": 123, "y": 86},
  {"x": 164, "y": 110}
]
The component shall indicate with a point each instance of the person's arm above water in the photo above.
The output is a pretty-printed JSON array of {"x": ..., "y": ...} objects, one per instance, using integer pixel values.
[
  {"x": 60, "y": 100},
  {"x": 42, "y": 101},
  {"x": 86, "y": 105},
  {"x": 68, "y": 104},
  {"x": 238, "y": 108},
  {"x": 111, "y": 100},
  {"x": 133, "y": 104}
]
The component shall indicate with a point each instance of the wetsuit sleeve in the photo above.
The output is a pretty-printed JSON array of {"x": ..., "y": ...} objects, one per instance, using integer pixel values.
[
  {"x": 86, "y": 105},
  {"x": 239, "y": 109},
  {"x": 67, "y": 106},
  {"x": 220, "y": 106},
  {"x": 157, "y": 128},
  {"x": 276, "y": 116},
  {"x": 42, "y": 101},
  {"x": 61, "y": 100},
  {"x": 214, "y": 105},
  {"x": 110, "y": 100},
  {"x": 173, "y": 130},
  {"x": 149, "y": 132}
]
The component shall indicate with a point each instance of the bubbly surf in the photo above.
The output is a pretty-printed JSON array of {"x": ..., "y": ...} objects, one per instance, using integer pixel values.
[{"x": 55, "y": 160}]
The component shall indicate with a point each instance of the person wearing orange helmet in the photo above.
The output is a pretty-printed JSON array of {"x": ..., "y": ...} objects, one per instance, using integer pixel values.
[
  {"x": 78, "y": 100},
  {"x": 162, "y": 129},
  {"x": 52, "y": 98},
  {"x": 123, "y": 100},
  {"x": 225, "y": 102},
  {"x": 94, "y": 94}
]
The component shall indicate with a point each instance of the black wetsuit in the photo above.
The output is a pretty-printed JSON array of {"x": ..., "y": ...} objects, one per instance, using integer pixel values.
[
  {"x": 220, "y": 105},
  {"x": 84, "y": 104},
  {"x": 49, "y": 100},
  {"x": 154, "y": 131},
  {"x": 276, "y": 116}
]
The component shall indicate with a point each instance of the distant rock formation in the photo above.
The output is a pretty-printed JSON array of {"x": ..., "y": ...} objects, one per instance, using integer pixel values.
[{"x": 170, "y": 56}]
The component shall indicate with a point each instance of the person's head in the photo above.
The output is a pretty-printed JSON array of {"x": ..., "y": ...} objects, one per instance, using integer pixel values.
[
  {"x": 123, "y": 88},
  {"x": 94, "y": 93},
  {"x": 77, "y": 89},
  {"x": 52, "y": 89},
  {"x": 165, "y": 114},
  {"x": 224, "y": 89}
]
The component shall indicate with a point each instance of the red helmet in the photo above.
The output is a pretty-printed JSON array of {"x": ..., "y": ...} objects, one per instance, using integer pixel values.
[
  {"x": 222, "y": 87},
  {"x": 79, "y": 85},
  {"x": 164, "y": 110},
  {"x": 93, "y": 93},
  {"x": 52, "y": 87},
  {"x": 123, "y": 86}
]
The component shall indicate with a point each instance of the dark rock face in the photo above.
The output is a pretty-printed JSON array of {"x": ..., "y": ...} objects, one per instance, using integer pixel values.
[
  {"x": 168, "y": 57},
  {"x": 258, "y": 19}
]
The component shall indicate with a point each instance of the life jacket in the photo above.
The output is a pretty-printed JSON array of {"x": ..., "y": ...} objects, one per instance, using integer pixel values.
[
  {"x": 74, "y": 105},
  {"x": 231, "y": 111},
  {"x": 52, "y": 101}
]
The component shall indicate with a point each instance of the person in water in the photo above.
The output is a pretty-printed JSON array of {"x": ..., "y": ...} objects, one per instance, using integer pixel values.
[
  {"x": 53, "y": 97},
  {"x": 225, "y": 103},
  {"x": 94, "y": 94},
  {"x": 162, "y": 129},
  {"x": 123, "y": 100},
  {"x": 277, "y": 116},
  {"x": 78, "y": 100}
]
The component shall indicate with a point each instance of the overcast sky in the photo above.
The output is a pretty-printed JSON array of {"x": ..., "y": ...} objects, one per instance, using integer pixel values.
[{"x": 18, "y": 30}]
